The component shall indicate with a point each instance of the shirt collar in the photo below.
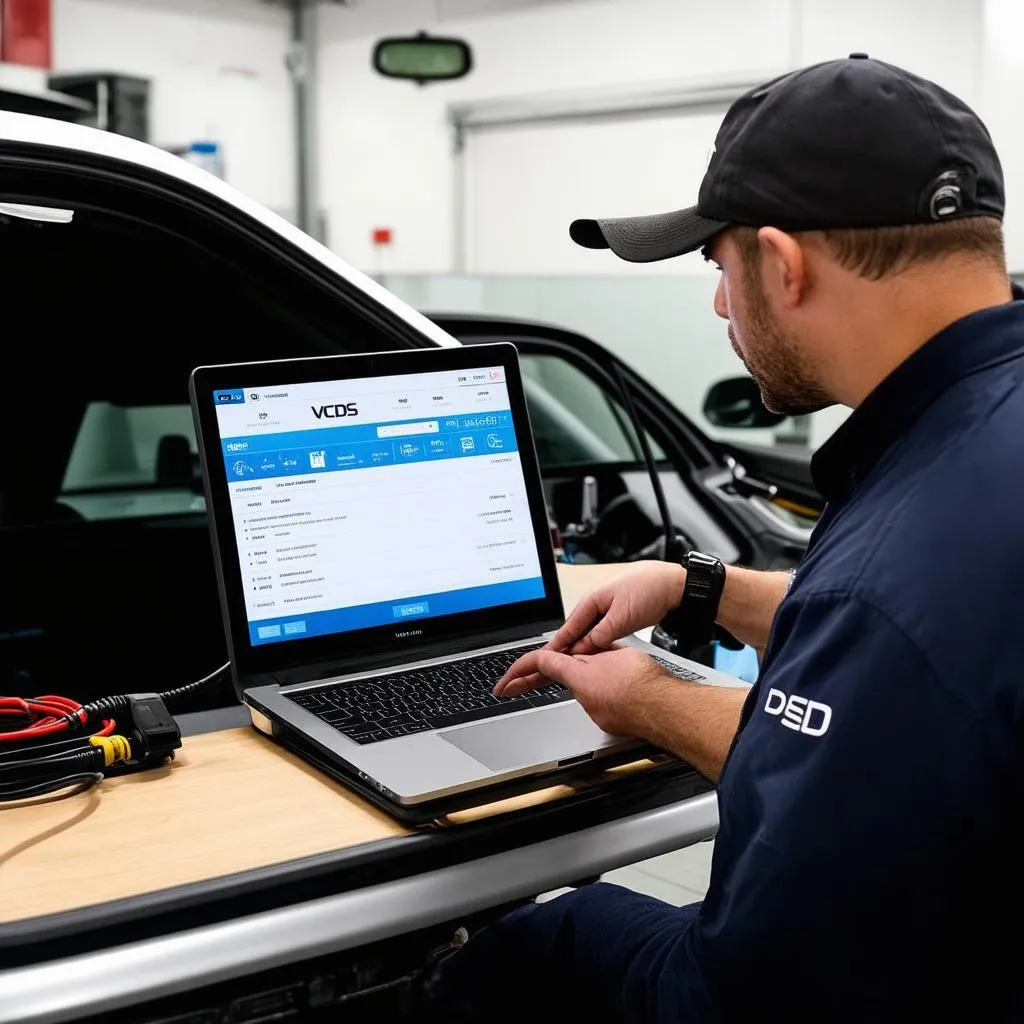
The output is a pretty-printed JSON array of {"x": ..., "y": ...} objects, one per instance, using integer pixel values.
[{"x": 967, "y": 345}]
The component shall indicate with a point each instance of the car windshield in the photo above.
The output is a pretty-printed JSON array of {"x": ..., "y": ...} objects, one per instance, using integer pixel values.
[{"x": 104, "y": 544}]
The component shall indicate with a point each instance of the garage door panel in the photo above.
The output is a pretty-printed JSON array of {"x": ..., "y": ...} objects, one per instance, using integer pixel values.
[{"x": 523, "y": 184}]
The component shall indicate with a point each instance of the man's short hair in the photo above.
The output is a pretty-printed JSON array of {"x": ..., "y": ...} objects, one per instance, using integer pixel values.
[{"x": 875, "y": 253}]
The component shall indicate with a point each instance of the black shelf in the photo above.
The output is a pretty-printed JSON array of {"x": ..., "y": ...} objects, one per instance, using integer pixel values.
[{"x": 45, "y": 103}]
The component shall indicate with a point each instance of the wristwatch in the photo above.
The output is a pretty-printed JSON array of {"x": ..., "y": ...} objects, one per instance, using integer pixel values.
[{"x": 693, "y": 621}]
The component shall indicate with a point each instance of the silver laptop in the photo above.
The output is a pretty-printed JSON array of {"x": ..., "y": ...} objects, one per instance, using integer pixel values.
[{"x": 384, "y": 555}]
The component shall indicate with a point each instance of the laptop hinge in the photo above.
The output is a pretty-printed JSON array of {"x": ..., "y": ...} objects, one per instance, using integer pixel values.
[{"x": 414, "y": 652}]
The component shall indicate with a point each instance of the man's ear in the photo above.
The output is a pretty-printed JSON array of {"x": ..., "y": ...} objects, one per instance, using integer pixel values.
[{"x": 784, "y": 270}]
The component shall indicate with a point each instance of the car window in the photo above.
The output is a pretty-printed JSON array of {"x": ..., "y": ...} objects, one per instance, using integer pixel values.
[
  {"x": 575, "y": 421},
  {"x": 142, "y": 461},
  {"x": 152, "y": 283},
  {"x": 133, "y": 462},
  {"x": 104, "y": 545}
]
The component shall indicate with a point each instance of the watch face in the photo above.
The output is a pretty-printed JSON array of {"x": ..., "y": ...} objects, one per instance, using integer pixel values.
[
  {"x": 698, "y": 558},
  {"x": 705, "y": 578},
  {"x": 704, "y": 566}
]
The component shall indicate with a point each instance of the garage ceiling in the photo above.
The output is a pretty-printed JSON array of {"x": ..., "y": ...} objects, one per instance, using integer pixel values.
[
  {"x": 368, "y": 16},
  {"x": 358, "y": 18},
  {"x": 452, "y": 9}
]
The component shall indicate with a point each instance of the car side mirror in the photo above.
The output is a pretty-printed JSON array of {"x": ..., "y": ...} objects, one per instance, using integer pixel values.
[
  {"x": 736, "y": 402},
  {"x": 422, "y": 58}
]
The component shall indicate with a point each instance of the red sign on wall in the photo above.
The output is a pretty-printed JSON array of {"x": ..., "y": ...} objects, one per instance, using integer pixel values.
[{"x": 25, "y": 36}]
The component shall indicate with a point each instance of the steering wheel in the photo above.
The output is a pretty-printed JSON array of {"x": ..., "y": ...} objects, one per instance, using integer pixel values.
[{"x": 625, "y": 532}]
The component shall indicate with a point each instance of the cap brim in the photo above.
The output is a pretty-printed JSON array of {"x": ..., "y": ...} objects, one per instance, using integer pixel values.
[{"x": 648, "y": 239}]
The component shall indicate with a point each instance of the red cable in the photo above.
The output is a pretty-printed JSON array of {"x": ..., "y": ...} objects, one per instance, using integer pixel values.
[{"x": 45, "y": 716}]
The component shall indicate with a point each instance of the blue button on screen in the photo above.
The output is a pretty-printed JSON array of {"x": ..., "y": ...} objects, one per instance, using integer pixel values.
[
  {"x": 265, "y": 632},
  {"x": 406, "y": 611},
  {"x": 291, "y": 628}
]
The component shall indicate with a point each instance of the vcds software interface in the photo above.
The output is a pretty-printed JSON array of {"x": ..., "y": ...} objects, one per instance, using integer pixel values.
[{"x": 376, "y": 501}]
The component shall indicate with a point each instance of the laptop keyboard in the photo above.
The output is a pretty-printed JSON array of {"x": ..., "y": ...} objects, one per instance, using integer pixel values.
[
  {"x": 383, "y": 708},
  {"x": 438, "y": 697}
]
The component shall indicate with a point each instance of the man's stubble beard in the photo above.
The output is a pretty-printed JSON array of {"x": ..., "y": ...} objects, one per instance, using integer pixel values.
[{"x": 773, "y": 358}]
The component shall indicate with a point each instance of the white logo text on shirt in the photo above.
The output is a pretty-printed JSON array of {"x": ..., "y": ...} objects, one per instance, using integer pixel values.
[{"x": 810, "y": 717}]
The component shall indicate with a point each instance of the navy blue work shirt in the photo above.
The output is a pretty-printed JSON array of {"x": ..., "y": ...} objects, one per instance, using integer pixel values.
[{"x": 869, "y": 859}]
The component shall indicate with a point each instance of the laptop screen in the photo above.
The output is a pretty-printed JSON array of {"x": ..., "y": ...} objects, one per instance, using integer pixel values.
[{"x": 376, "y": 501}]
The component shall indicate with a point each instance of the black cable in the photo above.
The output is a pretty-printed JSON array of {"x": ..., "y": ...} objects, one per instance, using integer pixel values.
[
  {"x": 29, "y": 750},
  {"x": 85, "y": 780},
  {"x": 77, "y": 760},
  {"x": 121, "y": 703},
  {"x": 672, "y": 543},
  {"x": 171, "y": 696},
  {"x": 111, "y": 706}
]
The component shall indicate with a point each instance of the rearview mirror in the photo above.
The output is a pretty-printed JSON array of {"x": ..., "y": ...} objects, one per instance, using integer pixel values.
[
  {"x": 422, "y": 58},
  {"x": 736, "y": 402}
]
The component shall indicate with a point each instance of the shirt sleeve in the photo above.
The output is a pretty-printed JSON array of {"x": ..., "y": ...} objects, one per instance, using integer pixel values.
[{"x": 857, "y": 812}]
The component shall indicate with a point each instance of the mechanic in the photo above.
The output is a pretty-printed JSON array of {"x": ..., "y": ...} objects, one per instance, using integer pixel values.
[{"x": 871, "y": 784}]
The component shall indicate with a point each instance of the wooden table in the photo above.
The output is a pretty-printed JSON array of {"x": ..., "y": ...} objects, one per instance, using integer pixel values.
[{"x": 231, "y": 801}]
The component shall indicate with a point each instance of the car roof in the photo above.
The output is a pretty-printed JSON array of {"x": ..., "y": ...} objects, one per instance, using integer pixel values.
[
  {"x": 84, "y": 140},
  {"x": 486, "y": 325}
]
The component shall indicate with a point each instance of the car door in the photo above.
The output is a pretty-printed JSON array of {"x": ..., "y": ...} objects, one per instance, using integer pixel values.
[
  {"x": 122, "y": 271},
  {"x": 784, "y": 467},
  {"x": 715, "y": 501}
]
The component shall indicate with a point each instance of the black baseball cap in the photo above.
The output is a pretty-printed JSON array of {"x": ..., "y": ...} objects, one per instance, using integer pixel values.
[{"x": 850, "y": 143}]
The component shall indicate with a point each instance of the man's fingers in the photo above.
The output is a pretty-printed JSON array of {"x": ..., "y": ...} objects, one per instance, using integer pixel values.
[
  {"x": 584, "y": 632},
  {"x": 585, "y": 646},
  {"x": 605, "y": 633},
  {"x": 520, "y": 685},
  {"x": 559, "y": 668},
  {"x": 579, "y": 622},
  {"x": 548, "y": 666},
  {"x": 525, "y": 666}
]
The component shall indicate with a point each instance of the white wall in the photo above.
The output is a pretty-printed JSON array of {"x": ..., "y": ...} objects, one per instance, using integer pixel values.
[
  {"x": 217, "y": 71},
  {"x": 516, "y": 211},
  {"x": 1000, "y": 104},
  {"x": 386, "y": 149}
]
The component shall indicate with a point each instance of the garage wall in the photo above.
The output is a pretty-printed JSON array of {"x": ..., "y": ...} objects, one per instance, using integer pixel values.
[
  {"x": 386, "y": 148},
  {"x": 217, "y": 70},
  {"x": 387, "y": 154},
  {"x": 1000, "y": 104},
  {"x": 525, "y": 183}
]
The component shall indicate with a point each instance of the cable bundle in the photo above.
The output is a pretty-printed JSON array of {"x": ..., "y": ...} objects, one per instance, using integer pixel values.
[
  {"x": 52, "y": 743},
  {"x": 46, "y": 744},
  {"x": 35, "y": 717}
]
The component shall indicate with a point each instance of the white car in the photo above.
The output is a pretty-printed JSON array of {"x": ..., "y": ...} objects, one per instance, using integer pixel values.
[
  {"x": 123, "y": 268},
  {"x": 126, "y": 266}
]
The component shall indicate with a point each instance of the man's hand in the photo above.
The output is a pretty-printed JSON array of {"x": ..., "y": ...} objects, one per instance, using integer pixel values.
[
  {"x": 640, "y": 597},
  {"x": 613, "y": 687},
  {"x": 628, "y": 694}
]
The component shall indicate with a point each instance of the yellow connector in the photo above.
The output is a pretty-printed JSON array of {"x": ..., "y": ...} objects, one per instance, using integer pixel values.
[{"x": 115, "y": 748}]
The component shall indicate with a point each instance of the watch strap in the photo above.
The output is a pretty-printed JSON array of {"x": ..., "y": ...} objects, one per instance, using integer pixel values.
[{"x": 705, "y": 581}]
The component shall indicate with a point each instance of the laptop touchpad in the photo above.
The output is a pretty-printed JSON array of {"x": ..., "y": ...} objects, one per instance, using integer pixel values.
[{"x": 525, "y": 740}]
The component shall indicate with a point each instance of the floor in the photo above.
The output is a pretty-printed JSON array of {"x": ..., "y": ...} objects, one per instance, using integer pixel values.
[{"x": 679, "y": 877}]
